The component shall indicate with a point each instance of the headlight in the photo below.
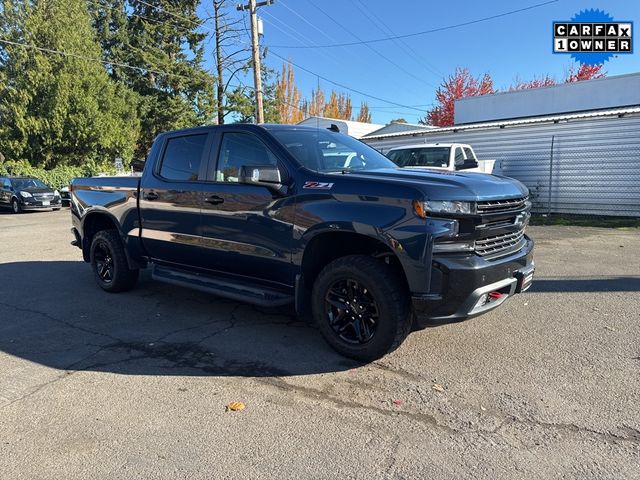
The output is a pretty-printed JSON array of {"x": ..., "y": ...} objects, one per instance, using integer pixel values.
[
  {"x": 439, "y": 206},
  {"x": 56, "y": 193},
  {"x": 26, "y": 194},
  {"x": 453, "y": 247}
]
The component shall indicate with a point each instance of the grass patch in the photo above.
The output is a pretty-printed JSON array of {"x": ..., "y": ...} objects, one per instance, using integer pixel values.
[{"x": 586, "y": 221}]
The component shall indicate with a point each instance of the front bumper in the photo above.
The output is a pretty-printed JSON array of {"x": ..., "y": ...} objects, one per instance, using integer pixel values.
[
  {"x": 40, "y": 206},
  {"x": 464, "y": 286}
]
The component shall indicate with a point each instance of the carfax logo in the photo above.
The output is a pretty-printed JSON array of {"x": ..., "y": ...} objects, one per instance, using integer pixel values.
[{"x": 592, "y": 37}]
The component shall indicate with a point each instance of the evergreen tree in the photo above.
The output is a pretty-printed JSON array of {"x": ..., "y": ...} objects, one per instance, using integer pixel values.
[
  {"x": 164, "y": 43},
  {"x": 58, "y": 105}
]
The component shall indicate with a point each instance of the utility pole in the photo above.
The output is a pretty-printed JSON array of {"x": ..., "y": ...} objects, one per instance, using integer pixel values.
[{"x": 252, "y": 6}]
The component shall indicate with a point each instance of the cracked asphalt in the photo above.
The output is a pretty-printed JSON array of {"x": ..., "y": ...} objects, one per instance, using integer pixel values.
[{"x": 134, "y": 385}]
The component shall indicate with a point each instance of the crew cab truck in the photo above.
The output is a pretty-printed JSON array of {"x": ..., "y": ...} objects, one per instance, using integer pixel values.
[
  {"x": 441, "y": 156},
  {"x": 269, "y": 215}
]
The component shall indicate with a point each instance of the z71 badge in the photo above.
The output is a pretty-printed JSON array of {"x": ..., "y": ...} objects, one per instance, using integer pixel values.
[{"x": 318, "y": 185}]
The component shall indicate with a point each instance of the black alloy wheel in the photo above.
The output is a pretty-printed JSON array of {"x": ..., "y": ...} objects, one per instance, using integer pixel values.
[
  {"x": 103, "y": 262},
  {"x": 15, "y": 206},
  {"x": 109, "y": 262},
  {"x": 352, "y": 311},
  {"x": 361, "y": 306}
]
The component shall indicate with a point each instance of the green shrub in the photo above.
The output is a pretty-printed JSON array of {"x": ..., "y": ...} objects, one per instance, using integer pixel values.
[{"x": 57, "y": 177}]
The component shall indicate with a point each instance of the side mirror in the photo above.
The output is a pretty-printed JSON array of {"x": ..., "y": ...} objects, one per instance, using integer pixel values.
[
  {"x": 264, "y": 175},
  {"x": 137, "y": 165}
]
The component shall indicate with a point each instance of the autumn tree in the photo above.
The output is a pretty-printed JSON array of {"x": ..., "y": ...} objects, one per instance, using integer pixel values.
[
  {"x": 584, "y": 72},
  {"x": 288, "y": 96},
  {"x": 315, "y": 106},
  {"x": 338, "y": 106},
  {"x": 459, "y": 85},
  {"x": 536, "y": 82},
  {"x": 364, "y": 115}
]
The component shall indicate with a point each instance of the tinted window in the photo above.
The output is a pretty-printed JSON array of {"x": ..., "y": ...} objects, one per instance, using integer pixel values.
[
  {"x": 421, "y": 157},
  {"x": 182, "y": 157},
  {"x": 326, "y": 151},
  {"x": 241, "y": 149}
]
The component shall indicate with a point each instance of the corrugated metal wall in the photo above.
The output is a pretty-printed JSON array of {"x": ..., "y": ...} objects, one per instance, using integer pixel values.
[{"x": 596, "y": 161}]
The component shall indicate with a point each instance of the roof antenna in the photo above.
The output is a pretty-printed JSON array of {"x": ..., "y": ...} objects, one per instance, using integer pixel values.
[{"x": 334, "y": 128}]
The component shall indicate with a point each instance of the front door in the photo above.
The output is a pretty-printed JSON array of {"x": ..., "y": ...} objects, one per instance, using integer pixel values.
[
  {"x": 170, "y": 199},
  {"x": 247, "y": 230}
]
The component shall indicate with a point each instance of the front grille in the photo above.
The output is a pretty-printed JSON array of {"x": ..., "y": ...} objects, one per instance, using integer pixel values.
[
  {"x": 497, "y": 206},
  {"x": 500, "y": 244},
  {"x": 43, "y": 196}
]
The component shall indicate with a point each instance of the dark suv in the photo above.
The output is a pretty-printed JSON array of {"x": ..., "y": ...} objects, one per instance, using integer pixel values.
[{"x": 28, "y": 193}]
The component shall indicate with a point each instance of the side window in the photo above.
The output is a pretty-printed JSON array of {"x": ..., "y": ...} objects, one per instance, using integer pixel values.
[
  {"x": 459, "y": 157},
  {"x": 241, "y": 149},
  {"x": 6, "y": 183},
  {"x": 469, "y": 154},
  {"x": 182, "y": 157}
]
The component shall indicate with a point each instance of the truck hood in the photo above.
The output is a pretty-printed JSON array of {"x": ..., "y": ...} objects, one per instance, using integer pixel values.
[{"x": 446, "y": 185}]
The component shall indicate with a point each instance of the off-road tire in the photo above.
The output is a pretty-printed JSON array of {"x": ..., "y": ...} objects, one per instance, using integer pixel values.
[
  {"x": 388, "y": 291},
  {"x": 107, "y": 243}
]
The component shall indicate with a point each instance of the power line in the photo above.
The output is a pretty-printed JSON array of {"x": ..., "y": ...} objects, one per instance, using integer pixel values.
[
  {"x": 181, "y": 17},
  {"x": 400, "y": 67},
  {"x": 98, "y": 60},
  {"x": 382, "y": 26},
  {"x": 341, "y": 85},
  {"x": 160, "y": 72},
  {"x": 425, "y": 32}
]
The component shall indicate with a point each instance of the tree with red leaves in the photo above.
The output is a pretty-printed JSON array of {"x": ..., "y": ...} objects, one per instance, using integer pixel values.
[
  {"x": 585, "y": 72},
  {"x": 459, "y": 85},
  {"x": 537, "y": 82}
]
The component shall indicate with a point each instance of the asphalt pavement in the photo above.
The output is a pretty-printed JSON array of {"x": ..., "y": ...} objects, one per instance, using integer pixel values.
[{"x": 134, "y": 385}]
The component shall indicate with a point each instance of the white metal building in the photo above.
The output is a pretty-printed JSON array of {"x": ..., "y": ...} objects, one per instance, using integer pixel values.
[
  {"x": 355, "y": 129},
  {"x": 583, "y": 162}
]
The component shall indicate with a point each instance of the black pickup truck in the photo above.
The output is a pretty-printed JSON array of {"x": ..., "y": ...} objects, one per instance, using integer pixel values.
[{"x": 276, "y": 215}]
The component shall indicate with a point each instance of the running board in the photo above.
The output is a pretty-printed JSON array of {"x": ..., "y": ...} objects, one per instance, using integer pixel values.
[{"x": 243, "y": 292}]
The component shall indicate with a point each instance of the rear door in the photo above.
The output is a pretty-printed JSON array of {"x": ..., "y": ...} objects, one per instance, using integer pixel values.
[
  {"x": 247, "y": 230},
  {"x": 171, "y": 197}
]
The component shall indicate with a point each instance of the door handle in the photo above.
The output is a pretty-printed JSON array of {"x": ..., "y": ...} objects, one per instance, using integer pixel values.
[
  {"x": 151, "y": 196},
  {"x": 214, "y": 200}
]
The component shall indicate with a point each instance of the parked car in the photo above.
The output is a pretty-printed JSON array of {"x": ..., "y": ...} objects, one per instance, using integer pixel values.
[
  {"x": 272, "y": 215},
  {"x": 441, "y": 156},
  {"x": 28, "y": 193},
  {"x": 65, "y": 195}
]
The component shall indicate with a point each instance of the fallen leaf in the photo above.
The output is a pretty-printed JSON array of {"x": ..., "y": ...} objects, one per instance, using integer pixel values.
[
  {"x": 397, "y": 402},
  {"x": 482, "y": 408},
  {"x": 611, "y": 329},
  {"x": 235, "y": 407},
  {"x": 437, "y": 387}
]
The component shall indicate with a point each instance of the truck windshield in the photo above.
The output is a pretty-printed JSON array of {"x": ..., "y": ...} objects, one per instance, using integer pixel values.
[
  {"x": 326, "y": 151},
  {"x": 421, "y": 157}
]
